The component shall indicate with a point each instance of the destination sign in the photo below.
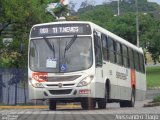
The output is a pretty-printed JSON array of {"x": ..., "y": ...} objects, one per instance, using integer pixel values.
[{"x": 60, "y": 30}]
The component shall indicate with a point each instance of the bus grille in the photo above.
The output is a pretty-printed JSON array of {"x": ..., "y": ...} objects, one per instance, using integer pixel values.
[
  {"x": 62, "y": 78},
  {"x": 56, "y": 85},
  {"x": 60, "y": 92}
]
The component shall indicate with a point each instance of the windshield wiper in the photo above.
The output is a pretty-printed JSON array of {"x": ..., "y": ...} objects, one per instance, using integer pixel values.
[
  {"x": 50, "y": 46},
  {"x": 70, "y": 44}
]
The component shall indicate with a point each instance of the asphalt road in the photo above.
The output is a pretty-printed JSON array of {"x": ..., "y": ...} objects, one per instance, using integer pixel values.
[{"x": 112, "y": 112}]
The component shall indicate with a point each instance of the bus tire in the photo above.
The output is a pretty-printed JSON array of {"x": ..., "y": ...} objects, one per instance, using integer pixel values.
[
  {"x": 52, "y": 104},
  {"x": 102, "y": 101},
  {"x": 123, "y": 103},
  {"x": 88, "y": 103},
  {"x": 130, "y": 103}
]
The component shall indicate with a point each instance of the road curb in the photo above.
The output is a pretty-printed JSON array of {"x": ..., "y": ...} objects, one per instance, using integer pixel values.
[
  {"x": 153, "y": 88},
  {"x": 23, "y": 107},
  {"x": 41, "y": 107},
  {"x": 152, "y": 104}
]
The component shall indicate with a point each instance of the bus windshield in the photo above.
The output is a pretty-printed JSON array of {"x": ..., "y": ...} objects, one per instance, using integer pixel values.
[{"x": 61, "y": 54}]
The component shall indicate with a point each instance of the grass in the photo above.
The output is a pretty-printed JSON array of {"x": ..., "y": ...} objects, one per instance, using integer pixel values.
[
  {"x": 153, "y": 76},
  {"x": 156, "y": 99}
]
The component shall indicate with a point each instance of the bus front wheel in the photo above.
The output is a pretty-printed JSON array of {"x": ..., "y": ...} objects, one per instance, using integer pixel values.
[
  {"x": 102, "y": 101},
  {"x": 88, "y": 103},
  {"x": 52, "y": 104}
]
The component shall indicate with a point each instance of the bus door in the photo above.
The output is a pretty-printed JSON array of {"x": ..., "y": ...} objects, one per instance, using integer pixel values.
[{"x": 98, "y": 64}]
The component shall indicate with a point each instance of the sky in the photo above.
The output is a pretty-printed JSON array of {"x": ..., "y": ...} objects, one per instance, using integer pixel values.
[{"x": 78, "y": 2}]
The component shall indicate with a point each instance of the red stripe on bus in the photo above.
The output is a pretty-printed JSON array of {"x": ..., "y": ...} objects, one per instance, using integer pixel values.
[{"x": 133, "y": 77}]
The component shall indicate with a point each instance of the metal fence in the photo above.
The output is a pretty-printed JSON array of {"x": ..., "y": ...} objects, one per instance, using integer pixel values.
[{"x": 13, "y": 86}]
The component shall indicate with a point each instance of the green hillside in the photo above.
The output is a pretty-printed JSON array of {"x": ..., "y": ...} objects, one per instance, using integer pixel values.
[{"x": 125, "y": 6}]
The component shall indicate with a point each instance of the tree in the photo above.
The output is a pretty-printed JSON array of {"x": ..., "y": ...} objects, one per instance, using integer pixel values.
[
  {"x": 124, "y": 26},
  {"x": 99, "y": 15},
  {"x": 150, "y": 34},
  {"x": 20, "y": 15}
]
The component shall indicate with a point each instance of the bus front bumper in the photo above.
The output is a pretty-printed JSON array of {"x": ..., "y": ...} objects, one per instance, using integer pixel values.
[{"x": 62, "y": 93}]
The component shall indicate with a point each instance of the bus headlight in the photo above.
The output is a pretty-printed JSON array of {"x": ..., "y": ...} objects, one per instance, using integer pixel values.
[
  {"x": 86, "y": 81},
  {"x": 36, "y": 84}
]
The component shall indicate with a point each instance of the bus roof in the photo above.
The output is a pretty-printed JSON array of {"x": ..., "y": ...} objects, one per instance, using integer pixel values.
[{"x": 100, "y": 29}]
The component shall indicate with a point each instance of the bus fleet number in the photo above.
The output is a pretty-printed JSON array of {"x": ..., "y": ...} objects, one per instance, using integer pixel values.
[{"x": 43, "y": 30}]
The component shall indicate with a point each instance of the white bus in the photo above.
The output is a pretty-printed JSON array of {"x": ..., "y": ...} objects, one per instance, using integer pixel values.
[{"x": 83, "y": 62}]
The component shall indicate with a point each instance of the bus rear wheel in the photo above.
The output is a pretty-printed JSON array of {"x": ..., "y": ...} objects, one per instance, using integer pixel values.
[
  {"x": 88, "y": 103},
  {"x": 52, "y": 104},
  {"x": 130, "y": 103}
]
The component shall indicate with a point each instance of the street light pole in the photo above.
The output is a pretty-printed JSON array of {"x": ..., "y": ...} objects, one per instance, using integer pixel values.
[{"x": 137, "y": 24}]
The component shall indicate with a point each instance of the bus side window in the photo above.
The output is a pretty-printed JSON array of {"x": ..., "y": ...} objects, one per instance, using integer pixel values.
[
  {"x": 119, "y": 54},
  {"x": 105, "y": 47},
  {"x": 141, "y": 62},
  {"x": 128, "y": 57},
  {"x": 136, "y": 59},
  {"x": 97, "y": 48},
  {"x": 111, "y": 49},
  {"x": 125, "y": 56},
  {"x": 131, "y": 58}
]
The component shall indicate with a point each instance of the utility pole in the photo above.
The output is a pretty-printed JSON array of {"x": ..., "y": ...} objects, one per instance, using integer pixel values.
[
  {"x": 137, "y": 23},
  {"x": 118, "y": 8}
]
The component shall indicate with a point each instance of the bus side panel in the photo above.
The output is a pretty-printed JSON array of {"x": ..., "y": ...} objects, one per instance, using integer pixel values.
[
  {"x": 124, "y": 82},
  {"x": 140, "y": 86},
  {"x": 110, "y": 74},
  {"x": 121, "y": 88}
]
